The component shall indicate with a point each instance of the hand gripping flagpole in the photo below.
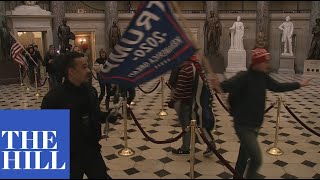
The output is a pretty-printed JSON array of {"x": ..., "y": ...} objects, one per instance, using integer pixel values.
[
  {"x": 162, "y": 112},
  {"x": 192, "y": 146},
  {"x": 125, "y": 151},
  {"x": 275, "y": 150}
]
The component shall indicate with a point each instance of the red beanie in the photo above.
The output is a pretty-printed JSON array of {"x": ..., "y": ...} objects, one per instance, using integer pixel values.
[
  {"x": 259, "y": 56},
  {"x": 193, "y": 58}
]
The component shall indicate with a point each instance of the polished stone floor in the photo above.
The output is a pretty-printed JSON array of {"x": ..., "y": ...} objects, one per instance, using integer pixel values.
[{"x": 301, "y": 158}]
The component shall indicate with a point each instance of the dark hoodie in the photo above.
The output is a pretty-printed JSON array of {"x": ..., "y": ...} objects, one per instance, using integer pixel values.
[{"x": 248, "y": 95}]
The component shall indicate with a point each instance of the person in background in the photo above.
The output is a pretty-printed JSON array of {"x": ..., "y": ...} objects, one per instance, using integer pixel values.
[
  {"x": 32, "y": 58},
  {"x": 81, "y": 98},
  {"x": 77, "y": 49},
  {"x": 37, "y": 52},
  {"x": 87, "y": 55},
  {"x": 247, "y": 97},
  {"x": 49, "y": 64},
  {"x": 103, "y": 86}
]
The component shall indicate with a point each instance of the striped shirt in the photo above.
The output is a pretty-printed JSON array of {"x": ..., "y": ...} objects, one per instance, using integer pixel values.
[{"x": 184, "y": 84}]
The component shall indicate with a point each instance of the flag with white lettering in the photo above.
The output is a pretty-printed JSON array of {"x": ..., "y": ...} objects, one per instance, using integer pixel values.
[{"x": 153, "y": 44}]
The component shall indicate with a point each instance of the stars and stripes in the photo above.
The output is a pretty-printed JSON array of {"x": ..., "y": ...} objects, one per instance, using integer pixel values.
[{"x": 16, "y": 52}]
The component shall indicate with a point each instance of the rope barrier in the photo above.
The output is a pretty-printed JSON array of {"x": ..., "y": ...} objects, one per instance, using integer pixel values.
[
  {"x": 270, "y": 107},
  {"x": 94, "y": 76},
  {"x": 170, "y": 140},
  {"x": 40, "y": 84},
  {"x": 168, "y": 85},
  {"x": 225, "y": 107},
  {"x": 44, "y": 82},
  {"x": 220, "y": 101},
  {"x": 151, "y": 90},
  {"x": 302, "y": 124},
  {"x": 213, "y": 149}
]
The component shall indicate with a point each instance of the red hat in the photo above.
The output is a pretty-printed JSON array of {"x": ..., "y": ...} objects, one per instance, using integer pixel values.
[
  {"x": 259, "y": 55},
  {"x": 193, "y": 58},
  {"x": 85, "y": 46}
]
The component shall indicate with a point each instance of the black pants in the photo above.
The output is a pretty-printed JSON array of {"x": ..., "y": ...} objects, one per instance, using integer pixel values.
[
  {"x": 103, "y": 88},
  {"x": 90, "y": 163},
  {"x": 130, "y": 93},
  {"x": 32, "y": 74}
]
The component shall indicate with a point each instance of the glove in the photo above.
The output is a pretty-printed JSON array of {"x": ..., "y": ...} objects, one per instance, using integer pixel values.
[{"x": 171, "y": 103}]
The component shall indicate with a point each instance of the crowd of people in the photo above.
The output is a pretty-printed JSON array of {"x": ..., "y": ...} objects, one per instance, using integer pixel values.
[{"x": 70, "y": 79}]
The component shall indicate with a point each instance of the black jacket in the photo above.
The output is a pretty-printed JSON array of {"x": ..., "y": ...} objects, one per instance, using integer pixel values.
[
  {"x": 49, "y": 66},
  {"x": 81, "y": 101},
  {"x": 247, "y": 95}
]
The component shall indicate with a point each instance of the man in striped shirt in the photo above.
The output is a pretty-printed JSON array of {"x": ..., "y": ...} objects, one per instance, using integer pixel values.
[{"x": 181, "y": 101}]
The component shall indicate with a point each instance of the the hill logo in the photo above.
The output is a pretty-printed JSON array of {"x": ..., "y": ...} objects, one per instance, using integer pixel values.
[{"x": 34, "y": 144}]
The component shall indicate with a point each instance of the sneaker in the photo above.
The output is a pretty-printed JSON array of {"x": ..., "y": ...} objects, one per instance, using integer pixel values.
[
  {"x": 208, "y": 153},
  {"x": 180, "y": 152}
]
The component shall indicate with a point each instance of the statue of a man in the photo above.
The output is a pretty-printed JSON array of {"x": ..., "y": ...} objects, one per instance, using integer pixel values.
[
  {"x": 5, "y": 40},
  {"x": 64, "y": 35},
  {"x": 287, "y": 32},
  {"x": 212, "y": 32},
  {"x": 261, "y": 40},
  {"x": 237, "y": 32},
  {"x": 114, "y": 35},
  {"x": 314, "y": 52}
]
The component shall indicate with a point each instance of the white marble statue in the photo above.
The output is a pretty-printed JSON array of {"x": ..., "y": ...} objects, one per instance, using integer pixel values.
[
  {"x": 287, "y": 32},
  {"x": 237, "y": 32}
]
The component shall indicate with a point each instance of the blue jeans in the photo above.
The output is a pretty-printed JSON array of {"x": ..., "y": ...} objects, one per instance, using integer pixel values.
[
  {"x": 249, "y": 150},
  {"x": 184, "y": 116}
]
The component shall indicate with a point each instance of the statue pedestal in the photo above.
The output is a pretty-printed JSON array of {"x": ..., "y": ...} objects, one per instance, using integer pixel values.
[
  {"x": 286, "y": 64},
  {"x": 311, "y": 67},
  {"x": 236, "y": 61}
]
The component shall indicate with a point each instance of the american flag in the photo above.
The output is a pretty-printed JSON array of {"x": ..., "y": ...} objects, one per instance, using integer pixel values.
[{"x": 16, "y": 52}]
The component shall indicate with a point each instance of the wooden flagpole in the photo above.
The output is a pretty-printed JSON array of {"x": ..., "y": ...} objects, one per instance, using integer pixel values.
[
  {"x": 23, "y": 49},
  {"x": 203, "y": 60}
]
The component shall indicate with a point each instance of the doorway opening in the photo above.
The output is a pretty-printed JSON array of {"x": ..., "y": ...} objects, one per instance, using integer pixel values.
[
  {"x": 86, "y": 40},
  {"x": 27, "y": 38}
]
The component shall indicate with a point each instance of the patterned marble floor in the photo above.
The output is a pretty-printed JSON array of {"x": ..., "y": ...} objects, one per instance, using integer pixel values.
[{"x": 301, "y": 158}]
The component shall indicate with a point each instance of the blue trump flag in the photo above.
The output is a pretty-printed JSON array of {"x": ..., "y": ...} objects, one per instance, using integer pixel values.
[
  {"x": 152, "y": 44},
  {"x": 34, "y": 144}
]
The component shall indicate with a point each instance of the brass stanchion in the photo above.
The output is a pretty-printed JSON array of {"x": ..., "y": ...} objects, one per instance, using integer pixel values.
[
  {"x": 192, "y": 146},
  {"x": 162, "y": 112},
  {"x": 125, "y": 151},
  {"x": 21, "y": 80},
  {"x": 36, "y": 82},
  {"x": 275, "y": 150}
]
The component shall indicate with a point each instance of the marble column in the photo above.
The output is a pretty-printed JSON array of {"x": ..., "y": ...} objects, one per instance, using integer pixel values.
[
  {"x": 111, "y": 13},
  {"x": 262, "y": 19},
  {"x": 314, "y": 14},
  {"x": 2, "y": 15},
  {"x": 2, "y": 11},
  {"x": 212, "y": 6},
  {"x": 58, "y": 10}
]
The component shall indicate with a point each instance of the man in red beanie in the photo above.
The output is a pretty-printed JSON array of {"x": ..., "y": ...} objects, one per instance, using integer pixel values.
[{"x": 247, "y": 96}]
